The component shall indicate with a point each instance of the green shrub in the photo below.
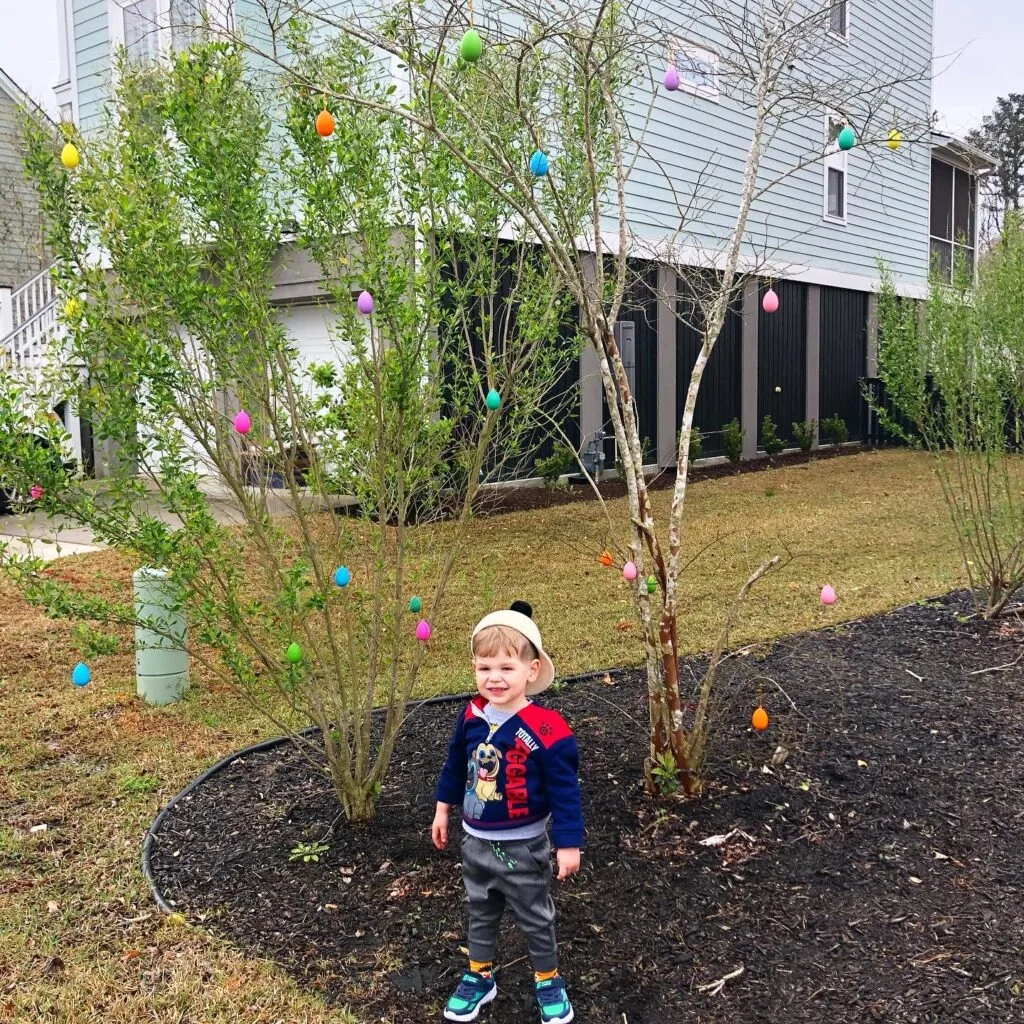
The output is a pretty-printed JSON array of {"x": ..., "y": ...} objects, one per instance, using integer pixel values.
[
  {"x": 732, "y": 438},
  {"x": 803, "y": 434},
  {"x": 834, "y": 430},
  {"x": 696, "y": 444},
  {"x": 773, "y": 444},
  {"x": 561, "y": 460}
]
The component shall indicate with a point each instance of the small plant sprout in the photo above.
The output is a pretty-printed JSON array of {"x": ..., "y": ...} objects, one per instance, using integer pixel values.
[{"x": 307, "y": 852}]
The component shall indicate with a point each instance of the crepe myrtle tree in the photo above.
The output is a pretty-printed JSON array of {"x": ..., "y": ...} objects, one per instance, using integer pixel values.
[
  {"x": 166, "y": 237},
  {"x": 954, "y": 372},
  {"x": 584, "y": 79}
]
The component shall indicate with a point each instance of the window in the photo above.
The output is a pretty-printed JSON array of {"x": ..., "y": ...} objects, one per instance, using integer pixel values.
[
  {"x": 186, "y": 17},
  {"x": 697, "y": 67},
  {"x": 952, "y": 220},
  {"x": 836, "y": 172},
  {"x": 141, "y": 31},
  {"x": 839, "y": 19},
  {"x": 836, "y": 194}
]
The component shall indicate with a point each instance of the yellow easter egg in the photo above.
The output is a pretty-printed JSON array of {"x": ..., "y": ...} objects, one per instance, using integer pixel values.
[{"x": 69, "y": 156}]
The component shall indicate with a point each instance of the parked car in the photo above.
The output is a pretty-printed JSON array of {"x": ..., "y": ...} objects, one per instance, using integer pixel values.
[{"x": 12, "y": 502}]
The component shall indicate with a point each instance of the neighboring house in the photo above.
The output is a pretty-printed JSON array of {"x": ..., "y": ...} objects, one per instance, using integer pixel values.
[
  {"x": 826, "y": 227},
  {"x": 22, "y": 250}
]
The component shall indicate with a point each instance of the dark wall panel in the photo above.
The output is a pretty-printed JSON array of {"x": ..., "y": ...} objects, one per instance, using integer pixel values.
[
  {"x": 782, "y": 359},
  {"x": 843, "y": 360},
  {"x": 718, "y": 400}
]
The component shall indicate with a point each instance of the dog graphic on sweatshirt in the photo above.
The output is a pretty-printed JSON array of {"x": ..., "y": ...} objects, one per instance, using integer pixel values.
[{"x": 487, "y": 761}]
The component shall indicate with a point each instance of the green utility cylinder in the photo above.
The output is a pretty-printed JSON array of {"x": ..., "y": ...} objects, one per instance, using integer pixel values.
[{"x": 161, "y": 645}]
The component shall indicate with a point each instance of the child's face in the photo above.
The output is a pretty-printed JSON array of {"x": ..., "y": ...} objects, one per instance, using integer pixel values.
[{"x": 503, "y": 678}]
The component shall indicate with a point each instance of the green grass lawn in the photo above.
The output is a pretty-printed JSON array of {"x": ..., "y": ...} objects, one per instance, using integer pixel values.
[{"x": 80, "y": 940}]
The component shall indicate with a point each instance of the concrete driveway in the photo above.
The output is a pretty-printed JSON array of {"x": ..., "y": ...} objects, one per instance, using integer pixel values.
[{"x": 33, "y": 533}]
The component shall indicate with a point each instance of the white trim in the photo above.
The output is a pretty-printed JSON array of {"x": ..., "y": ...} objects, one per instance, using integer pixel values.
[
  {"x": 679, "y": 45},
  {"x": 838, "y": 160},
  {"x": 838, "y": 36}
]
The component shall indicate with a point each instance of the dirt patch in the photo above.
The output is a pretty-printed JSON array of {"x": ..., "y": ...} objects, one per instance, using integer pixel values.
[{"x": 875, "y": 875}]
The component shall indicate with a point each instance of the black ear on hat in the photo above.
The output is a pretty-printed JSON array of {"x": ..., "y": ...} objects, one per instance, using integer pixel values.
[{"x": 523, "y": 608}]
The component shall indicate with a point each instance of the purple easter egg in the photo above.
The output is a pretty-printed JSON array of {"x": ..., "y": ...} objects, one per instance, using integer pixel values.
[
  {"x": 365, "y": 303},
  {"x": 671, "y": 79}
]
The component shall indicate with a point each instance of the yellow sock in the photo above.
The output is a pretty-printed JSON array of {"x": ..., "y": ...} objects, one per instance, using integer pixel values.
[
  {"x": 483, "y": 967},
  {"x": 545, "y": 975}
]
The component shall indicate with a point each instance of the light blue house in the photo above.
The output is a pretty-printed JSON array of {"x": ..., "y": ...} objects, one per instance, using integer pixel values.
[{"x": 821, "y": 230}]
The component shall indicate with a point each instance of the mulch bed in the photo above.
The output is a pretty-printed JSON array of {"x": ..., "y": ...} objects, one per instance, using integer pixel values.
[{"x": 875, "y": 875}]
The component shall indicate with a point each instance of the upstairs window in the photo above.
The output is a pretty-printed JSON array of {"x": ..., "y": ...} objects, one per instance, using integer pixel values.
[
  {"x": 186, "y": 18},
  {"x": 697, "y": 67},
  {"x": 836, "y": 172},
  {"x": 141, "y": 30},
  {"x": 839, "y": 19},
  {"x": 953, "y": 219}
]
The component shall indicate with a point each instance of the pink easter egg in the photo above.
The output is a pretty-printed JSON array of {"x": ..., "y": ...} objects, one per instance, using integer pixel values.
[
  {"x": 423, "y": 630},
  {"x": 770, "y": 302},
  {"x": 365, "y": 303},
  {"x": 36, "y": 492},
  {"x": 828, "y": 595},
  {"x": 671, "y": 79},
  {"x": 629, "y": 571},
  {"x": 242, "y": 422}
]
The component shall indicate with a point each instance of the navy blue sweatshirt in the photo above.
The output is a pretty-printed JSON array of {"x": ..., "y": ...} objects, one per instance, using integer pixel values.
[{"x": 522, "y": 773}]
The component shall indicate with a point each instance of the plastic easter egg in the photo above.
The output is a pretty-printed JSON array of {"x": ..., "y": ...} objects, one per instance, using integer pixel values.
[
  {"x": 539, "y": 164},
  {"x": 759, "y": 719},
  {"x": 652, "y": 584},
  {"x": 325, "y": 124},
  {"x": 671, "y": 79},
  {"x": 80, "y": 675},
  {"x": 493, "y": 400},
  {"x": 342, "y": 576},
  {"x": 69, "y": 156},
  {"x": 423, "y": 630},
  {"x": 415, "y": 604},
  {"x": 471, "y": 46},
  {"x": 243, "y": 424},
  {"x": 895, "y": 138},
  {"x": 294, "y": 653},
  {"x": 365, "y": 303},
  {"x": 35, "y": 492},
  {"x": 770, "y": 302},
  {"x": 606, "y": 558},
  {"x": 828, "y": 594},
  {"x": 629, "y": 571},
  {"x": 847, "y": 139}
]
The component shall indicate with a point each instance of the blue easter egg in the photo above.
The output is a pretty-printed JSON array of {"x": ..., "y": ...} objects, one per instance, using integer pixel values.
[
  {"x": 539, "y": 164},
  {"x": 342, "y": 576},
  {"x": 81, "y": 676}
]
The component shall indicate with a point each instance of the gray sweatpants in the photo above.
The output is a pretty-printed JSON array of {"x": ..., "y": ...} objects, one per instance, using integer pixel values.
[{"x": 514, "y": 873}]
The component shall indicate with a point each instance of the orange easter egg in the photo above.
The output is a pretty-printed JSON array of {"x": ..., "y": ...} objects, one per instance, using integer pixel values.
[{"x": 759, "y": 719}]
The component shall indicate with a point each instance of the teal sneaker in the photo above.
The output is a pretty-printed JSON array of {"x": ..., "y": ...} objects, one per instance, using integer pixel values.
[
  {"x": 553, "y": 1001},
  {"x": 473, "y": 992}
]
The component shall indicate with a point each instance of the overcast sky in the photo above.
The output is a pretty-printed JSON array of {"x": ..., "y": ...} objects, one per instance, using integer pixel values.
[{"x": 977, "y": 47}]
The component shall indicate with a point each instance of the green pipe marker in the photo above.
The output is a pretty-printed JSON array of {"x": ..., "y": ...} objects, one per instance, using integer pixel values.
[{"x": 161, "y": 645}]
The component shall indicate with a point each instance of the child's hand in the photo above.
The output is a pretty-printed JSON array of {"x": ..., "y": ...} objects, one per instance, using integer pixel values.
[
  {"x": 439, "y": 829},
  {"x": 568, "y": 862}
]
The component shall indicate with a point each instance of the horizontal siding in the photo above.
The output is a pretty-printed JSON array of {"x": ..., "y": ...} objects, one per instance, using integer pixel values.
[
  {"x": 92, "y": 59},
  {"x": 888, "y": 192}
]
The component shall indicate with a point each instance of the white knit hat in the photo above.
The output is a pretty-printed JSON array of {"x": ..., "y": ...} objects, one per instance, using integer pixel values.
[{"x": 518, "y": 618}]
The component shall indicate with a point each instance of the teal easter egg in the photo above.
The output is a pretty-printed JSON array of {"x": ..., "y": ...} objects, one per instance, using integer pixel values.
[
  {"x": 493, "y": 400},
  {"x": 847, "y": 139},
  {"x": 415, "y": 604}
]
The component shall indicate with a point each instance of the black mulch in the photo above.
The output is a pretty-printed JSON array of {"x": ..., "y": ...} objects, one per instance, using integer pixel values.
[{"x": 876, "y": 875}]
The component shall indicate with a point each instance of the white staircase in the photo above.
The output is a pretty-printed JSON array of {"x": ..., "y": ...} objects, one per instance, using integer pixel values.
[{"x": 29, "y": 333}]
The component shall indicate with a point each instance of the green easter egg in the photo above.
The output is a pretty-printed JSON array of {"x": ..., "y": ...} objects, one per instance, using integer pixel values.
[
  {"x": 471, "y": 47},
  {"x": 652, "y": 584},
  {"x": 847, "y": 139},
  {"x": 493, "y": 399},
  {"x": 415, "y": 604},
  {"x": 294, "y": 653}
]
